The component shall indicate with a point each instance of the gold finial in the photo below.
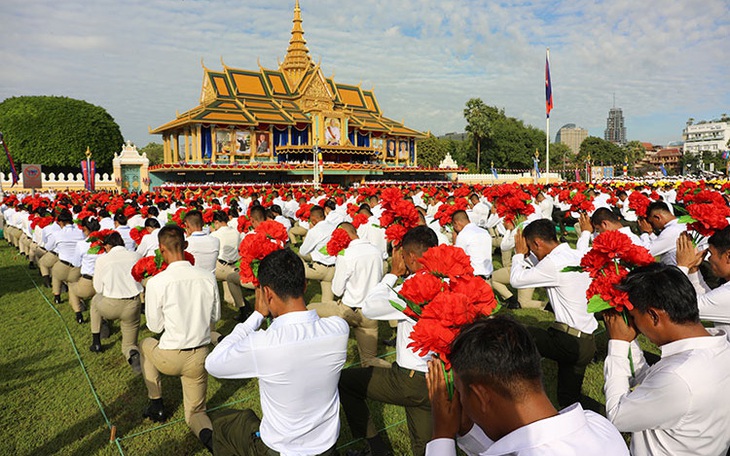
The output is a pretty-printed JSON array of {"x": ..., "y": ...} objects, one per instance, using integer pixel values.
[
  {"x": 537, "y": 153},
  {"x": 88, "y": 152},
  {"x": 297, "y": 60}
]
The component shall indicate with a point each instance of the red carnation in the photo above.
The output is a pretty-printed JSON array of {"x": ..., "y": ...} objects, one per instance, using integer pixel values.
[
  {"x": 359, "y": 220},
  {"x": 339, "y": 241},
  {"x": 422, "y": 287},
  {"x": 447, "y": 261}
]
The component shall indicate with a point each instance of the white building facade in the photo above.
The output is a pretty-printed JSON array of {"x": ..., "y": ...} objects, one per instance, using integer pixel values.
[{"x": 707, "y": 136}]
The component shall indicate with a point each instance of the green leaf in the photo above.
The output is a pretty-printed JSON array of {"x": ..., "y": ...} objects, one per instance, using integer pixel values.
[
  {"x": 323, "y": 250},
  {"x": 414, "y": 307},
  {"x": 686, "y": 219},
  {"x": 255, "y": 267},
  {"x": 341, "y": 252},
  {"x": 572, "y": 269},
  {"x": 597, "y": 304},
  {"x": 679, "y": 210},
  {"x": 397, "y": 306},
  {"x": 158, "y": 258}
]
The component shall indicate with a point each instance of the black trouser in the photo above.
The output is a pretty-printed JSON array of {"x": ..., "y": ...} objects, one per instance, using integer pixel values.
[
  {"x": 397, "y": 386},
  {"x": 572, "y": 354},
  {"x": 234, "y": 433}
]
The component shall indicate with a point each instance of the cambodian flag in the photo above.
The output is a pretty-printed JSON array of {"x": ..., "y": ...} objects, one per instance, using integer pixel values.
[
  {"x": 548, "y": 86},
  {"x": 13, "y": 171}
]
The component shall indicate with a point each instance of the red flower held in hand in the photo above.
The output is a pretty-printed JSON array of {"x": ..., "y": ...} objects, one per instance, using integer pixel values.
[
  {"x": 422, "y": 287},
  {"x": 137, "y": 233},
  {"x": 447, "y": 261},
  {"x": 359, "y": 220},
  {"x": 339, "y": 241}
]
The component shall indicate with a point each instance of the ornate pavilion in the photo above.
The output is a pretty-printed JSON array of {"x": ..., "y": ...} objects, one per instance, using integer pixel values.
[{"x": 272, "y": 125}]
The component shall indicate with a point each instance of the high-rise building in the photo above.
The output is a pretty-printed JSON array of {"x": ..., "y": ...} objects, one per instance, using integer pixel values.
[
  {"x": 571, "y": 136},
  {"x": 615, "y": 129},
  {"x": 706, "y": 136}
]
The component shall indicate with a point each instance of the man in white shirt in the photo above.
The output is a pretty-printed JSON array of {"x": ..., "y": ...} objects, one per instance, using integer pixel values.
[
  {"x": 680, "y": 405},
  {"x": 545, "y": 204},
  {"x": 322, "y": 267},
  {"x": 297, "y": 361},
  {"x": 357, "y": 270},
  {"x": 121, "y": 227},
  {"x": 475, "y": 242},
  {"x": 226, "y": 270},
  {"x": 405, "y": 382},
  {"x": 660, "y": 219},
  {"x": 149, "y": 242},
  {"x": 479, "y": 211},
  {"x": 500, "y": 406},
  {"x": 63, "y": 244},
  {"x": 203, "y": 247},
  {"x": 569, "y": 340},
  {"x": 602, "y": 220},
  {"x": 183, "y": 302},
  {"x": 117, "y": 297}
]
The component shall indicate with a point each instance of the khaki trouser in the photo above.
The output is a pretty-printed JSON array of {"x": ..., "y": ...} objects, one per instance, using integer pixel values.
[
  {"x": 46, "y": 263},
  {"x": 324, "y": 274},
  {"x": 11, "y": 234},
  {"x": 36, "y": 253},
  {"x": 365, "y": 330},
  {"x": 234, "y": 434},
  {"x": 231, "y": 279},
  {"x": 500, "y": 280},
  {"x": 24, "y": 244},
  {"x": 59, "y": 274},
  {"x": 295, "y": 231},
  {"x": 125, "y": 310},
  {"x": 189, "y": 365},
  {"x": 82, "y": 288}
]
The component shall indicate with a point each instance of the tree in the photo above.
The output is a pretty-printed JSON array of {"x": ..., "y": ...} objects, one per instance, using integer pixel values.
[
  {"x": 560, "y": 156},
  {"x": 156, "y": 154},
  {"x": 634, "y": 152},
  {"x": 477, "y": 124},
  {"x": 600, "y": 151},
  {"x": 55, "y": 132}
]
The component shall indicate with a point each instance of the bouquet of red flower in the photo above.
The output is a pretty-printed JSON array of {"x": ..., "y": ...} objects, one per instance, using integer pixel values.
[
  {"x": 83, "y": 215},
  {"x": 152, "y": 265},
  {"x": 609, "y": 261},
  {"x": 359, "y": 220},
  {"x": 638, "y": 202},
  {"x": 337, "y": 244},
  {"x": 707, "y": 212},
  {"x": 268, "y": 237},
  {"x": 244, "y": 224},
  {"x": 137, "y": 233},
  {"x": 41, "y": 222},
  {"x": 178, "y": 217},
  {"x": 442, "y": 297},
  {"x": 399, "y": 217},
  {"x": 446, "y": 210},
  {"x": 580, "y": 202},
  {"x": 511, "y": 201},
  {"x": 97, "y": 241},
  {"x": 303, "y": 211}
]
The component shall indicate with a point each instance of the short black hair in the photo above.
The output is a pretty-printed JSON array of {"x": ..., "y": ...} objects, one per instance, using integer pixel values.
[
  {"x": 172, "y": 237},
  {"x": 603, "y": 214},
  {"x": 257, "y": 213},
  {"x": 498, "y": 352},
  {"x": 330, "y": 204},
  {"x": 220, "y": 216},
  {"x": 721, "y": 240},
  {"x": 663, "y": 287},
  {"x": 91, "y": 224},
  {"x": 316, "y": 211},
  {"x": 460, "y": 215},
  {"x": 65, "y": 216},
  {"x": 194, "y": 219},
  {"x": 275, "y": 209},
  {"x": 153, "y": 211},
  {"x": 114, "y": 239},
  {"x": 419, "y": 239},
  {"x": 543, "y": 229},
  {"x": 283, "y": 272},
  {"x": 621, "y": 193},
  {"x": 657, "y": 206},
  {"x": 120, "y": 219},
  {"x": 151, "y": 223}
]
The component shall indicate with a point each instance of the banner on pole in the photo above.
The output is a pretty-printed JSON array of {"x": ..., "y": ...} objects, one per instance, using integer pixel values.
[
  {"x": 32, "y": 177},
  {"x": 88, "y": 170}
]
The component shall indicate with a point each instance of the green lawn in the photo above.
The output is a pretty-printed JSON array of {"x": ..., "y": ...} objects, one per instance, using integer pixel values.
[{"x": 49, "y": 380}]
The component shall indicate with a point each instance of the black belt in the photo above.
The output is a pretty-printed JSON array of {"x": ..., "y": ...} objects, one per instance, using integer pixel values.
[
  {"x": 562, "y": 327},
  {"x": 225, "y": 263},
  {"x": 66, "y": 263},
  {"x": 126, "y": 299},
  {"x": 411, "y": 372},
  {"x": 192, "y": 349},
  {"x": 87, "y": 277},
  {"x": 486, "y": 278},
  {"x": 325, "y": 265}
]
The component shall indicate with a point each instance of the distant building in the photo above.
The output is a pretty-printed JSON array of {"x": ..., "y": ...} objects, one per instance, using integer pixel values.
[
  {"x": 571, "y": 136},
  {"x": 669, "y": 157},
  {"x": 706, "y": 136},
  {"x": 615, "y": 129},
  {"x": 455, "y": 136}
]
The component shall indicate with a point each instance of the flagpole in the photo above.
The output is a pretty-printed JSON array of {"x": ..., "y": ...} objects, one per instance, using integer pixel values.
[{"x": 547, "y": 134}]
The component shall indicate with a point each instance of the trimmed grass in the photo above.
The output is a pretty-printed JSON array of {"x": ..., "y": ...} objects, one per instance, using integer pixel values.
[{"x": 48, "y": 406}]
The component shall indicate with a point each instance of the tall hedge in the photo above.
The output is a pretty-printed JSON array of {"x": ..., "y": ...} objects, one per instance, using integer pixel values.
[{"x": 55, "y": 131}]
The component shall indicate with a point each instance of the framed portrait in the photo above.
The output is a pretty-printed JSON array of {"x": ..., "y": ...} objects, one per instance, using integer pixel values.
[
  {"x": 223, "y": 142},
  {"x": 332, "y": 131},
  {"x": 403, "y": 151},
  {"x": 263, "y": 143},
  {"x": 243, "y": 143},
  {"x": 390, "y": 149},
  {"x": 377, "y": 144}
]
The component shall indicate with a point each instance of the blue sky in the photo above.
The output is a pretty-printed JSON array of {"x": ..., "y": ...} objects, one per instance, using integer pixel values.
[{"x": 665, "y": 61}]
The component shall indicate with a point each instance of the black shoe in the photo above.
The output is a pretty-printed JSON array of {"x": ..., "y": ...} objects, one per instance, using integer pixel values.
[
  {"x": 79, "y": 317},
  {"x": 563, "y": 239},
  {"x": 155, "y": 412},
  {"x": 134, "y": 362},
  {"x": 206, "y": 438},
  {"x": 96, "y": 348},
  {"x": 57, "y": 299},
  {"x": 390, "y": 342},
  {"x": 31, "y": 265},
  {"x": 512, "y": 302},
  {"x": 104, "y": 331}
]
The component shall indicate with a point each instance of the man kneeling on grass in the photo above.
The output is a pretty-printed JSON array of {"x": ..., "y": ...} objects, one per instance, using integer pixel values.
[
  {"x": 499, "y": 405},
  {"x": 297, "y": 361}
]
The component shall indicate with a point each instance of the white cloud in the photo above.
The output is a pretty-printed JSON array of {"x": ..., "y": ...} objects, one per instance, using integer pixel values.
[{"x": 665, "y": 61}]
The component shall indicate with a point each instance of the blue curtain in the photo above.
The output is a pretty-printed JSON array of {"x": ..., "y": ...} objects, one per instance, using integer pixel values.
[
  {"x": 363, "y": 140},
  {"x": 351, "y": 136},
  {"x": 300, "y": 137},
  {"x": 206, "y": 142}
]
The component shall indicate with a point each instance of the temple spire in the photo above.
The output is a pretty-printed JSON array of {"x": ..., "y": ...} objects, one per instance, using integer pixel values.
[{"x": 297, "y": 60}]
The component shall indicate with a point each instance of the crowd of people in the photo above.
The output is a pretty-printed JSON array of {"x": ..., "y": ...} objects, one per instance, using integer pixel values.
[{"x": 175, "y": 256}]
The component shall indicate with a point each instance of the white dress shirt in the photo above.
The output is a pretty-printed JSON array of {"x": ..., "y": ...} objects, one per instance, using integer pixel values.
[
  {"x": 183, "y": 301},
  {"x": 46, "y": 233},
  {"x": 377, "y": 306},
  {"x": 586, "y": 238},
  {"x": 83, "y": 259},
  {"x": 567, "y": 290},
  {"x": 477, "y": 243},
  {"x": 284, "y": 221},
  {"x": 714, "y": 304},
  {"x": 204, "y": 248},
  {"x": 317, "y": 238},
  {"x": 357, "y": 272},
  {"x": 573, "y": 432},
  {"x": 436, "y": 228},
  {"x": 665, "y": 245},
  {"x": 113, "y": 274},
  {"x": 679, "y": 406},
  {"x": 107, "y": 223},
  {"x": 374, "y": 235},
  {"x": 63, "y": 242},
  {"x": 546, "y": 208},
  {"x": 297, "y": 360},
  {"x": 149, "y": 243},
  {"x": 228, "y": 239},
  {"x": 125, "y": 231}
]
